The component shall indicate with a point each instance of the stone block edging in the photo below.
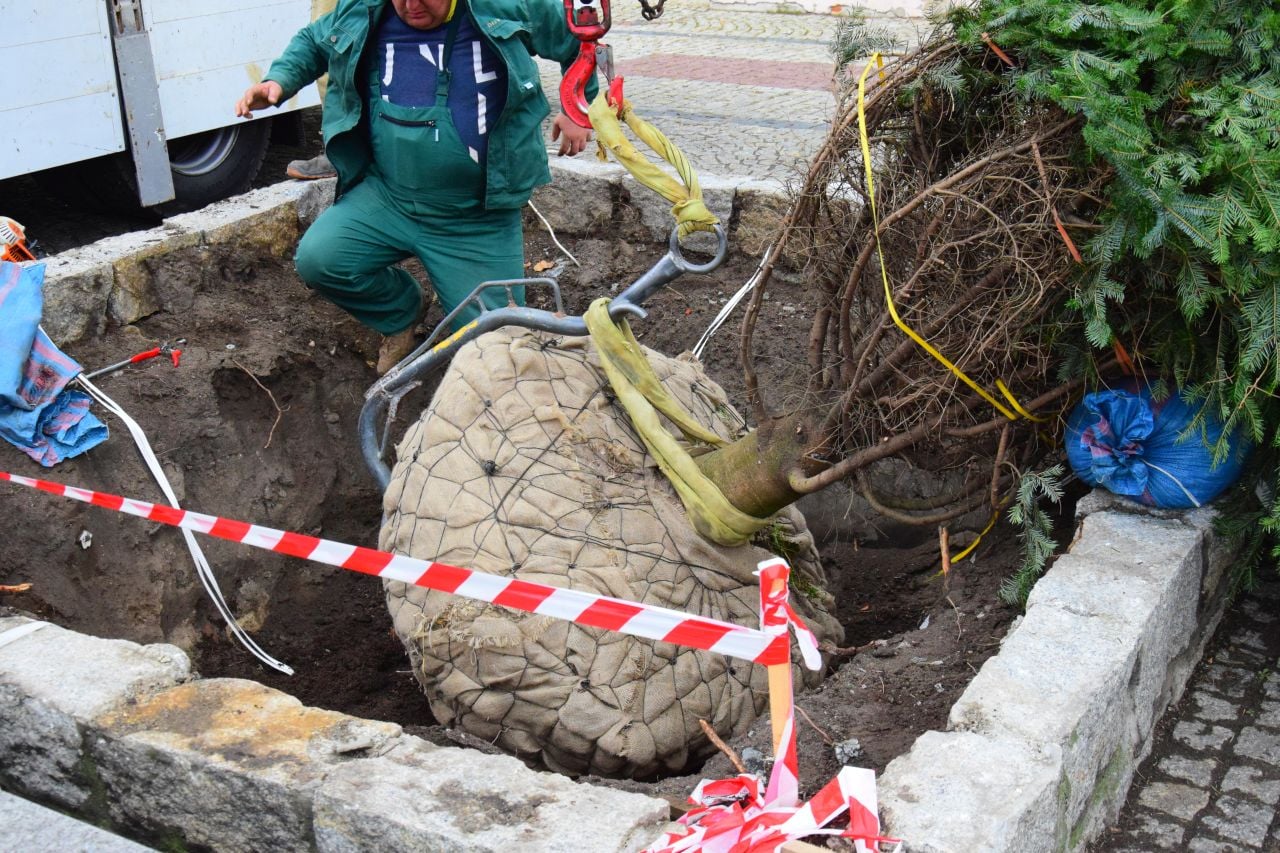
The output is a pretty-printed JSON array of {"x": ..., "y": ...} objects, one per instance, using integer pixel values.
[
  {"x": 112, "y": 281},
  {"x": 1042, "y": 746},
  {"x": 125, "y": 736}
]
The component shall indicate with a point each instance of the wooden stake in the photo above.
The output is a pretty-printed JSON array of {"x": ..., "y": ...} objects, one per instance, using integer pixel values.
[
  {"x": 779, "y": 690},
  {"x": 944, "y": 548},
  {"x": 722, "y": 746}
]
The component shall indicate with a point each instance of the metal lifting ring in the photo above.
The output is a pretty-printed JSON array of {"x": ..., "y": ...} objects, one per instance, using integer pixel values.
[{"x": 678, "y": 258}]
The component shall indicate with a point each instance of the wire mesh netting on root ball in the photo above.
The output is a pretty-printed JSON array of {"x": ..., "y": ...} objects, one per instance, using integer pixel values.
[{"x": 523, "y": 465}]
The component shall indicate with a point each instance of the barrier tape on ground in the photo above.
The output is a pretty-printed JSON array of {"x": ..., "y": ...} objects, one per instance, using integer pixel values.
[
  {"x": 583, "y": 608},
  {"x": 732, "y": 817}
]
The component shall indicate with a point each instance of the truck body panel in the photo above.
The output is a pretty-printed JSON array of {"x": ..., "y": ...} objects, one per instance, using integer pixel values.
[
  {"x": 220, "y": 46},
  {"x": 60, "y": 101}
]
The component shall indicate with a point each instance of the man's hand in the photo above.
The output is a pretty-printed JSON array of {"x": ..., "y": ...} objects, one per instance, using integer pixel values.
[
  {"x": 257, "y": 97},
  {"x": 573, "y": 138}
]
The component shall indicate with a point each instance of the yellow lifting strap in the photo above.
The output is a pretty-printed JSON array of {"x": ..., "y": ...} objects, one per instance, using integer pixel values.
[
  {"x": 642, "y": 396},
  {"x": 686, "y": 195}
]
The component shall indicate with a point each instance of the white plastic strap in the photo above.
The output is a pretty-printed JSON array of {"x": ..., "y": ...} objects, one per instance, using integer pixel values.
[
  {"x": 1178, "y": 482},
  {"x": 203, "y": 570},
  {"x": 15, "y": 634}
]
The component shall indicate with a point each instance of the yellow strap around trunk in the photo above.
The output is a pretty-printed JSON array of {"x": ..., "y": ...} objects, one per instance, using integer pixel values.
[{"x": 641, "y": 394}]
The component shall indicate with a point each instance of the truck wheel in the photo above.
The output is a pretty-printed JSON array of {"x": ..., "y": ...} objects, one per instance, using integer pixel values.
[
  {"x": 216, "y": 164},
  {"x": 207, "y": 167}
]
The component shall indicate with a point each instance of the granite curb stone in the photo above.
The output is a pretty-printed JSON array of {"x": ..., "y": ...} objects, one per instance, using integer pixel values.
[
  {"x": 122, "y": 734},
  {"x": 29, "y": 826},
  {"x": 1108, "y": 641},
  {"x": 114, "y": 280},
  {"x": 44, "y": 709}
]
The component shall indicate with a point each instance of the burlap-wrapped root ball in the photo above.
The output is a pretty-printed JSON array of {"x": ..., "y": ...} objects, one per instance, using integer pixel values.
[{"x": 524, "y": 466}]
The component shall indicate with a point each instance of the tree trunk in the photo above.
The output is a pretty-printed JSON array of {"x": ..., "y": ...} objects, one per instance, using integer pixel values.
[{"x": 753, "y": 471}]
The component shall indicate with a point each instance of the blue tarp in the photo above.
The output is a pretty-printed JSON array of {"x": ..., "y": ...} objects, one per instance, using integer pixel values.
[{"x": 37, "y": 414}]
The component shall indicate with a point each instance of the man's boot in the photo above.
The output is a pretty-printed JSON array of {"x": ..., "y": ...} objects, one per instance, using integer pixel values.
[
  {"x": 395, "y": 347},
  {"x": 311, "y": 170}
]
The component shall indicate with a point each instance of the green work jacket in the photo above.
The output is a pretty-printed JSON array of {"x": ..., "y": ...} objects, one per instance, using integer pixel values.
[{"x": 516, "y": 29}]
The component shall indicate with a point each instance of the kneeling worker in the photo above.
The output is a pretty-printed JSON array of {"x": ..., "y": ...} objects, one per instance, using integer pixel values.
[{"x": 432, "y": 120}]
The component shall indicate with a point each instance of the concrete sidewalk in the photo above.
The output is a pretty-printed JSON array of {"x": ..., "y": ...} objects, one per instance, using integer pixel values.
[
  {"x": 745, "y": 94},
  {"x": 1212, "y": 782},
  {"x": 29, "y": 827}
]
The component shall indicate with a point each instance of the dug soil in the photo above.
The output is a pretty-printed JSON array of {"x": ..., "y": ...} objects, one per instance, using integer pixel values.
[{"x": 258, "y": 422}]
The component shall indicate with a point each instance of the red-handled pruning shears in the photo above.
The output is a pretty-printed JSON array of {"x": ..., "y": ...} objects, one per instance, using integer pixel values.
[
  {"x": 588, "y": 20},
  {"x": 166, "y": 348}
]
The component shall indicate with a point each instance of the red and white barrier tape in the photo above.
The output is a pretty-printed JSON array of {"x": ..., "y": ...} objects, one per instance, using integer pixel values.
[
  {"x": 735, "y": 816},
  {"x": 732, "y": 817},
  {"x": 775, "y": 615},
  {"x": 583, "y": 608}
]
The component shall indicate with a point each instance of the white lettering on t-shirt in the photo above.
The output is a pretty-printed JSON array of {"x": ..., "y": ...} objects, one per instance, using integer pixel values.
[
  {"x": 477, "y": 62},
  {"x": 425, "y": 50}
]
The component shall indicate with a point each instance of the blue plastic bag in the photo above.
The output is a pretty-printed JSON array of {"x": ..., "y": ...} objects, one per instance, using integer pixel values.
[{"x": 1128, "y": 443}]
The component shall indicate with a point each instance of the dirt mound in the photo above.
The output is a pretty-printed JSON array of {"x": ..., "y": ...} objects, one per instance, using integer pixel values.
[{"x": 248, "y": 425}]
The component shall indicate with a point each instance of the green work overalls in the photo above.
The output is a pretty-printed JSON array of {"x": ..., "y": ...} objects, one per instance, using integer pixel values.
[{"x": 422, "y": 196}]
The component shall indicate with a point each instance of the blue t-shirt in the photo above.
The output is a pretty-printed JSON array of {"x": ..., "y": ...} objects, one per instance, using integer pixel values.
[{"x": 408, "y": 62}]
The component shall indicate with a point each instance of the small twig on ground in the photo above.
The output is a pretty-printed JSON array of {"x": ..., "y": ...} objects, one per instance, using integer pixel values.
[
  {"x": 22, "y": 587},
  {"x": 470, "y": 741},
  {"x": 826, "y": 737},
  {"x": 279, "y": 411},
  {"x": 959, "y": 630},
  {"x": 722, "y": 746},
  {"x": 848, "y": 651}
]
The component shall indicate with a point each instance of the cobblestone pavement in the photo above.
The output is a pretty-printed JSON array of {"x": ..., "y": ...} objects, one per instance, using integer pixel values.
[
  {"x": 745, "y": 94},
  {"x": 1212, "y": 781}
]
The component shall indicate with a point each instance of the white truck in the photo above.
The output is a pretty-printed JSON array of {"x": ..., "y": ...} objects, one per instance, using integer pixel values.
[{"x": 132, "y": 101}]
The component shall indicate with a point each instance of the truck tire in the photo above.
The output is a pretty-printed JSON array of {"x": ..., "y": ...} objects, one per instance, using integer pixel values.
[
  {"x": 216, "y": 164},
  {"x": 207, "y": 167}
]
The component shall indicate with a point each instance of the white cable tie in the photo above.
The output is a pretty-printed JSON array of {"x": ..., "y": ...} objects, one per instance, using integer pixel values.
[
  {"x": 1190, "y": 496},
  {"x": 203, "y": 570},
  {"x": 729, "y": 306}
]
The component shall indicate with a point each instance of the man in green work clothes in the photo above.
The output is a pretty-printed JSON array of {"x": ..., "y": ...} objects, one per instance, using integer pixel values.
[{"x": 432, "y": 120}]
